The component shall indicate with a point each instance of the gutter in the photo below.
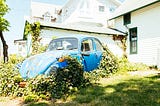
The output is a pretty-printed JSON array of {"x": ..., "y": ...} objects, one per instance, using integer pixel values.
[{"x": 125, "y": 33}]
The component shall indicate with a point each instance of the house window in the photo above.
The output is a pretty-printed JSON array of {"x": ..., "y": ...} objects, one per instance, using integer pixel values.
[
  {"x": 112, "y": 8},
  {"x": 127, "y": 18},
  {"x": 133, "y": 40},
  {"x": 47, "y": 17},
  {"x": 101, "y": 8}
]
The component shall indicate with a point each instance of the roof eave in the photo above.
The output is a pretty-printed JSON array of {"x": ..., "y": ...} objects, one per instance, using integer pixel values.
[
  {"x": 71, "y": 29},
  {"x": 134, "y": 10}
]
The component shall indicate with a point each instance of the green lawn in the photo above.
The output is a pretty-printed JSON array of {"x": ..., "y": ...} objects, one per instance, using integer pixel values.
[{"x": 119, "y": 90}]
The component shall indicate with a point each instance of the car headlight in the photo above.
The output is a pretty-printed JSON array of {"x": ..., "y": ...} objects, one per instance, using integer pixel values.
[{"x": 53, "y": 70}]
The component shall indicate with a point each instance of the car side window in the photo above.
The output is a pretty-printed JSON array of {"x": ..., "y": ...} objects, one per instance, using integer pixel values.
[
  {"x": 98, "y": 45},
  {"x": 86, "y": 45}
]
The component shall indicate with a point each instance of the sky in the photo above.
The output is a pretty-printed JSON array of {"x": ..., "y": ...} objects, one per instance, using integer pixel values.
[
  {"x": 19, "y": 9},
  {"x": 121, "y": 0},
  {"x": 57, "y": 2}
]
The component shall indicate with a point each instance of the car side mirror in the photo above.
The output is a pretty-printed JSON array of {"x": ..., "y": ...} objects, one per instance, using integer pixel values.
[{"x": 85, "y": 53}]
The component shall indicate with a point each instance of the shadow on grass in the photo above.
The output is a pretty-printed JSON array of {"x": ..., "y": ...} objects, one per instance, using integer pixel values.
[
  {"x": 133, "y": 92},
  {"x": 38, "y": 104}
]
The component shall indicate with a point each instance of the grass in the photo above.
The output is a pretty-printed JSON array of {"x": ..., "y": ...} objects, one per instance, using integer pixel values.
[
  {"x": 118, "y": 90},
  {"x": 127, "y": 91}
]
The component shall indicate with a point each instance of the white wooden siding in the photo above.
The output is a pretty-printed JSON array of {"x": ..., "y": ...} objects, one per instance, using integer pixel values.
[
  {"x": 48, "y": 33},
  {"x": 147, "y": 21}
]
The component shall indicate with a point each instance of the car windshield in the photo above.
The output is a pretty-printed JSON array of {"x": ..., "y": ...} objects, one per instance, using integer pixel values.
[{"x": 63, "y": 44}]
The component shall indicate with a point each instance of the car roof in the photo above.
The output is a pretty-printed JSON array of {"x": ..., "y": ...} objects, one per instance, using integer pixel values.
[{"x": 79, "y": 37}]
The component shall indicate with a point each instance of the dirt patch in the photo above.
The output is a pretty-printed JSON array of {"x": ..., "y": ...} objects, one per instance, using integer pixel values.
[
  {"x": 6, "y": 101},
  {"x": 145, "y": 73}
]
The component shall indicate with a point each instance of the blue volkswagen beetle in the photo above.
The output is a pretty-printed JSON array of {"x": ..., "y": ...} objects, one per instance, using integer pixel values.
[{"x": 88, "y": 50}]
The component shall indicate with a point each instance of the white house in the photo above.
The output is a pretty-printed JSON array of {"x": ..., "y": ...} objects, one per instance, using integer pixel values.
[
  {"x": 89, "y": 11},
  {"x": 74, "y": 11},
  {"x": 87, "y": 17},
  {"x": 44, "y": 12},
  {"x": 77, "y": 17},
  {"x": 20, "y": 47},
  {"x": 141, "y": 19}
]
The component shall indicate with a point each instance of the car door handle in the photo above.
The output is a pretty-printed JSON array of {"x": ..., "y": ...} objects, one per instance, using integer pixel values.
[
  {"x": 96, "y": 55},
  {"x": 85, "y": 54}
]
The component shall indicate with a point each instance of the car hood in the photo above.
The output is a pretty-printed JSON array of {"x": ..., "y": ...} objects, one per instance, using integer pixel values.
[{"x": 38, "y": 64}]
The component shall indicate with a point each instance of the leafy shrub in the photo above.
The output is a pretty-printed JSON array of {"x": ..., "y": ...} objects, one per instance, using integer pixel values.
[
  {"x": 93, "y": 76},
  {"x": 68, "y": 78},
  {"x": 125, "y": 65},
  {"x": 9, "y": 76},
  {"x": 108, "y": 64},
  {"x": 31, "y": 98},
  {"x": 61, "y": 84},
  {"x": 153, "y": 67},
  {"x": 41, "y": 86},
  {"x": 14, "y": 59},
  {"x": 41, "y": 48},
  {"x": 64, "y": 82}
]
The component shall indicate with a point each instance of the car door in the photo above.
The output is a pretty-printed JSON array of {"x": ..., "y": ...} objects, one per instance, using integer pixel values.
[
  {"x": 98, "y": 50},
  {"x": 88, "y": 55}
]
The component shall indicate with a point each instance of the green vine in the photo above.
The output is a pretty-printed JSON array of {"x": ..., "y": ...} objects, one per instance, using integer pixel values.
[
  {"x": 122, "y": 44},
  {"x": 34, "y": 30}
]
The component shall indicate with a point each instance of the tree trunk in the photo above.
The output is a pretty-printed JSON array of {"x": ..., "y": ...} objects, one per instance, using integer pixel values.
[{"x": 5, "y": 48}]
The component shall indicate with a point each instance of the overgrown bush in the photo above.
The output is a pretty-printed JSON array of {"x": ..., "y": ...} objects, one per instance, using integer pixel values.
[
  {"x": 31, "y": 98},
  {"x": 93, "y": 76},
  {"x": 42, "y": 48},
  {"x": 59, "y": 85},
  {"x": 64, "y": 82},
  {"x": 68, "y": 78},
  {"x": 125, "y": 65},
  {"x": 9, "y": 76},
  {"x": 41, "y": 85},
  {"x": 108, "y": 66},
  {"x": 109, "y": 63}
]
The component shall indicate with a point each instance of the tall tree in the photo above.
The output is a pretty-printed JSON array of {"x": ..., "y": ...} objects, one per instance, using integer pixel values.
[{"x": 3, "y": 27}]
